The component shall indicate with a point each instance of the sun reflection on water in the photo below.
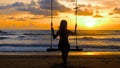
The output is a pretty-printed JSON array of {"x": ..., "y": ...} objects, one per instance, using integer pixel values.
[{"x": 94, "y": 53}]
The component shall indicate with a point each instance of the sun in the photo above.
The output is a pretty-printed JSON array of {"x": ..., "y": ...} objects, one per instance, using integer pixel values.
[{"x": 89, "y": 22}]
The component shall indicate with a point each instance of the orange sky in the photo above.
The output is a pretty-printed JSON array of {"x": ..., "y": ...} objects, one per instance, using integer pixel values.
[{"x": 35, "y": 14}]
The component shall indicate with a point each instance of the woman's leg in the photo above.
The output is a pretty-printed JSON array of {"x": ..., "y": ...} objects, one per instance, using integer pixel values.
[{"x": 64, "y": 56}]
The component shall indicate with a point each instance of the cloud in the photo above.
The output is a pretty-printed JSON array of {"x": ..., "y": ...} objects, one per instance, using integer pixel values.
[
  {"x": 20, "y": 6},
  {"x": 34, "y": 18},
  {"x": 17, "y": 4},
  {"x": 84, "y": 5},
  {"x": 21, "y": 19},
  {"x": 111, "y": 3},
  {"x": 105, "y": 3},
  {"x": 13, "y": 5},
  {"x": 71, "y": 0},
  {"x": 4, "y": 7},
  {"x": 28, "y": 7},
  {"x": 46, "y": 4},
  {"x": 97, "y": 16},
  {"x": 42, "y": 7},
  {"x": 11, "y": 8},
  {"x": 111, "y": 13},
  {"x": 88, "y": 10},
  {"x": 85, "y": 12},
  {"x": 11, "y": 18},
  {"x": 17, "y": 19},
  {"x": 116, "y": 10}
]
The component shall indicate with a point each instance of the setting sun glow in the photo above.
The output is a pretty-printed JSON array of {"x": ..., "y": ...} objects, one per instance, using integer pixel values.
[
  {"x": 36, "y": 14},
  {"x": 90, "y": 22}
]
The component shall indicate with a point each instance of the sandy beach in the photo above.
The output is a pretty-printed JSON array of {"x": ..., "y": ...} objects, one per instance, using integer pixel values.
[{"x": 53, "y": 60}]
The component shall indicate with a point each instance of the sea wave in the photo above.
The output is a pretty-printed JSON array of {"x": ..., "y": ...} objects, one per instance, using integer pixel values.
[
  {"x": 54, "y": 46},
  {"x": 96, "y": 38},
  {"x": 35, "y": 34},
  {"x": 36, "y": 48},
  {"x": 2, "y": 38}
]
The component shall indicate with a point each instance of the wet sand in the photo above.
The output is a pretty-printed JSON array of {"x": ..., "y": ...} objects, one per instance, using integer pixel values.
[{"x": 53, "y": 60}]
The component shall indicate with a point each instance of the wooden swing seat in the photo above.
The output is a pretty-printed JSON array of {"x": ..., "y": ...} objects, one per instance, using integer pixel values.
[{"x": 55, "y": 49}]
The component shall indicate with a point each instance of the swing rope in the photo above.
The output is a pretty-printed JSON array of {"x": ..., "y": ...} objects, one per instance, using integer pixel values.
[
  {"x": 51, "y": 23},
  {"x": 76, "y": 24}
]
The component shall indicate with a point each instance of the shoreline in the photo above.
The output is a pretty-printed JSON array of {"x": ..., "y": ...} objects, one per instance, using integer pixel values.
[
  {"x": 53, "y": 60},
  {"x": 71, "y": 53}
]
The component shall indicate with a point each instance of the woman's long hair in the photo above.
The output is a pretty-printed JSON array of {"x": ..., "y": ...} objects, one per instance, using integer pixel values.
[{"x": 63, "y": 27}]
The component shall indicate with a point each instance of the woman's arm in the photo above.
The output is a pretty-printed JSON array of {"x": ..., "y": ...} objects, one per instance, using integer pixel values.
[
  {"x": 54, "y": 35},
  {"x": 75, "y": 32}
]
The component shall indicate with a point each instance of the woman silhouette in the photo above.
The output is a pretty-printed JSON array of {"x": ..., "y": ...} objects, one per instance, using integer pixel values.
[{"x": 63, "y": 33}]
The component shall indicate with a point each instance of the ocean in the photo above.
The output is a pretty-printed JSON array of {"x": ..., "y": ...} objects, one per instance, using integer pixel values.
[{"x": 40, "y": 40}]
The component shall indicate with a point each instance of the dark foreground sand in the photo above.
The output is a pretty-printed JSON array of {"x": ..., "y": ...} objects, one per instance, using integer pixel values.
[{"x": 51, "y": 60}]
